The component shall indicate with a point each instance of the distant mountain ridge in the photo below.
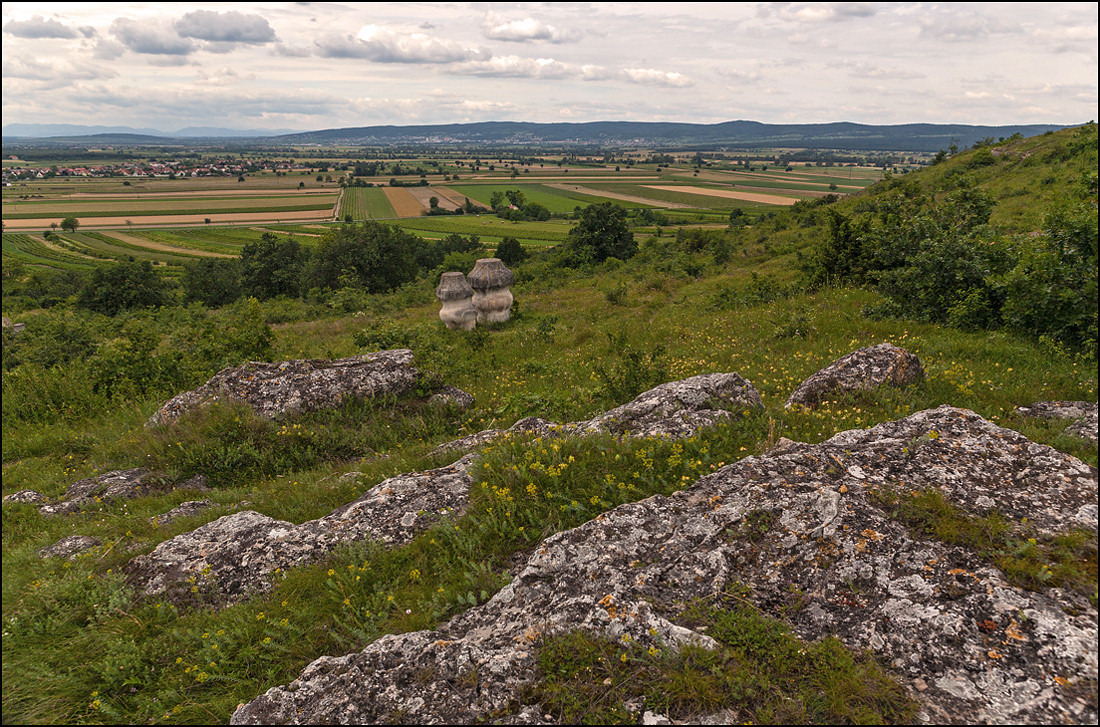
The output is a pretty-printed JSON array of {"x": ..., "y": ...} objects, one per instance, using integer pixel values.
[
  {"x": 47, "y": 131},
  {"x": 921, "y": 137},
  {"x": 839, "y": 135}
]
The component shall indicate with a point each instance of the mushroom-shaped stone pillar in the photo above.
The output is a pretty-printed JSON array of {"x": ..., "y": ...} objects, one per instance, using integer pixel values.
[
  {"x": 490, "y": 281},
  {"x": 456, "y": 295}
]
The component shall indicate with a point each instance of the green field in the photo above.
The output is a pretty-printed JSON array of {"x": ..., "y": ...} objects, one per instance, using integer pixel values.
[
  {"x": 32, "y": 250},
  {"x": 365, "y": 203},
  {"x": 158, "y": 209},
  {"x": 487, "y": 227}
]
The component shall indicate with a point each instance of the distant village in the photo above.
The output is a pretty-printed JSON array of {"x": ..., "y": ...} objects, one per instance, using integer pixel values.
[{"x": 151, "y": 169}]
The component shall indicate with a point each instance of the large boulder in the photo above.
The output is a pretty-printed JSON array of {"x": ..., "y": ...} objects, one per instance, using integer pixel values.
[
  {"x": 238, "y": 555},
  {"x": 1082, "y": 414},
  {"x": 271, "y": 389},
  {"x": 862, "y": 370},
  {"x": 974, "y": 647},
  {"x": 678, "y": 408}
]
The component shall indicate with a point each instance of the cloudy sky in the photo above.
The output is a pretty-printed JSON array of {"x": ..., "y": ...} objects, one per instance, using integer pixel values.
[{"x": 322, "y": 65}]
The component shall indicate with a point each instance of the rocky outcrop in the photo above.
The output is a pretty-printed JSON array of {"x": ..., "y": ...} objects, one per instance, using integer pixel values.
[
  {"x": 527, "y": 425},
  {"x": 678, "y": 408},
  {"x": 297, "y": 386},
  {"x": 452, "y": 396},
  {"x": 945, "y": 620},
  {"x": 492, "y": 298},
  {"x": 238, "y": 555},
  {"x": 1082, "y": 413},
  {"x": 862, "y": 370},
  {"x": 675, "y": 409},
  {"x": 32, "y": 497},
  {"x": 69, "y": 547},
  {"x": 184, "y": 509},
  {"x": 94, "y": 491},
  {"x": 456, "y": 296}
]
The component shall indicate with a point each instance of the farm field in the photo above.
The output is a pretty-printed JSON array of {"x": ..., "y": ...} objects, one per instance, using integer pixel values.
[
  {"x": 139, "y": 206},
  {"x": 728, "y": 194},
  {"x": 365, "y": 203},
  {"x": 489, "y": 228},
  {"x": 555, "y": 198}
]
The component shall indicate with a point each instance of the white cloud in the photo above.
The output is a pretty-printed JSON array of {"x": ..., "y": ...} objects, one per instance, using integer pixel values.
[
  {"x": 38, "y": 27},
  {"x": 818, "y": 12},
  {"x": 497, "y": 27},
  {"x": 385, "y": 46},
  {"x": 518, "y": 67},
  {"x": 652, "y": 77},
  {"x": 230, "y": 27},
  {"x": 150, "y": 38}
]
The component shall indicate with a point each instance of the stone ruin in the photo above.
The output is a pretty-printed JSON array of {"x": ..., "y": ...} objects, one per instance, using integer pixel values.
[{"x": 481, "y": 297}]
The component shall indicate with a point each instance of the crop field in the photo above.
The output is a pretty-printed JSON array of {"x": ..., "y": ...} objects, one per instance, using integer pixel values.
[
  {"x": 557, "y": 199},
  {"x": 32, "y": 250},
  {"x": 684, "y": 199},
  {"x": 139, "y": 207},
  {"x": 734, "y": 194},
  {"x": 424, "y": 195},
  {"x": 404, "y": 204},
  {"x": 488, "y": 228},
  {"x": 365, "y": 203}
]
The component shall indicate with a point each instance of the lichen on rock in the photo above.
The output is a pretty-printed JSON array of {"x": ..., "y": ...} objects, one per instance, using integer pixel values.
[
  {"x": 868, "y": 368},
  {"x": 983, "y": 649},
  {"x": 271, "y": 389},
  {"x": 1082, "y": 413},
  {"x": 239, "y": 555}
]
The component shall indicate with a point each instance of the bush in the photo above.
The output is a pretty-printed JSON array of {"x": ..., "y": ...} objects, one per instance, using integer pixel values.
[
  {"x": 510, "y": 251},
  {"x": 123, "y": 286}
]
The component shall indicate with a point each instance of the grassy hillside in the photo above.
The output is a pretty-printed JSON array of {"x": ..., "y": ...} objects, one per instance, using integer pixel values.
[{"x": 77, "y": 387}]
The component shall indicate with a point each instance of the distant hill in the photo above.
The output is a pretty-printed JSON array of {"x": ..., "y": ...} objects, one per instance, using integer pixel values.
[
  {"x": 67, "y": 131},
  {"x": 734, "y": 134},
  {"x": 841, "y": 135}
]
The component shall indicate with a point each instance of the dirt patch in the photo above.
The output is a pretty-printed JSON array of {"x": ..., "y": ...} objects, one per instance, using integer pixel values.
[
  {"x": 458, "y": 200},
  {"x": 619, "y": 196},
  {"x": 728, "y": 194},
  {"x": 423, "y": 195},
  {"x": 403, "y": 203}
]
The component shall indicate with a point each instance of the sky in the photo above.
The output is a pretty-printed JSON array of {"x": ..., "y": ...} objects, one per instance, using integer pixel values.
[{"x": 304, "y": 66}]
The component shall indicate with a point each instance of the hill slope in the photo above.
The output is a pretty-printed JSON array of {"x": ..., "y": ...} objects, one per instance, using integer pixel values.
[{"x": 81, "y": 645}]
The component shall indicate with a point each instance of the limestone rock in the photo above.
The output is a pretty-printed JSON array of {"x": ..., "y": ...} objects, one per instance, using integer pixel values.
[
  {"x": 985, "y": 650},
  {"x": 184, "y": 509},
  {"x": 297, "y": 386},
  {"x": 862, "y": 370},
  {"x": 452, "y": 396},
  {"x": 678, "y": 408},
  {"x": 69, "y": 547},
  {"x": 114, "y": 485},
  {"x": 1083, "y": 414},
  {"x": 26, "y": 496},
  {"x": 456, "y": 295},
  {"x": 237, "y": 555},
  {"x": 491, "y": 282},
  {"x": 526, "y": 425}
]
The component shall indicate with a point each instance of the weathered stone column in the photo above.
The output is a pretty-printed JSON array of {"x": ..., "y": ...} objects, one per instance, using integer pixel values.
[
  {"x": 490, "y": 281},
  {"x": 456, "y": 295}
]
